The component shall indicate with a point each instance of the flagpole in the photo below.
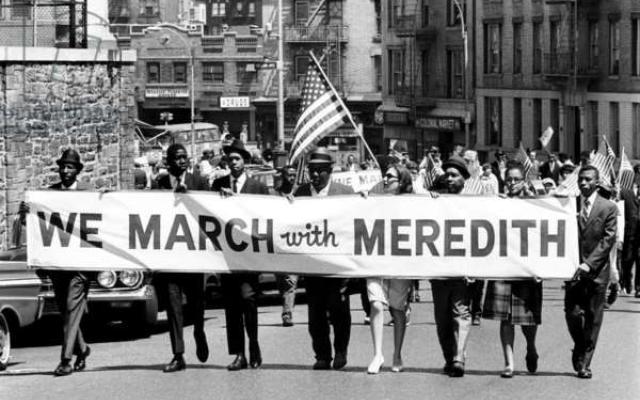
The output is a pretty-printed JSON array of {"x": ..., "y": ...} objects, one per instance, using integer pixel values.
[{"x": 357, "y": 128}]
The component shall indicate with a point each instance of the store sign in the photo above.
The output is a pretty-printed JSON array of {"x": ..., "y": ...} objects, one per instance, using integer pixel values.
[
  {"x": 441, "y": 124},
  {"x": 396, "y": 117},
  {"x": 235, "y": 102},
  {"x": 152, "y": 93}
]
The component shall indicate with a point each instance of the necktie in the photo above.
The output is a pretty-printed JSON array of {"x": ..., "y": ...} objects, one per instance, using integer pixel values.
[
  {"x": 584, "y": 213},
  {"x": 235, "y": 186}
]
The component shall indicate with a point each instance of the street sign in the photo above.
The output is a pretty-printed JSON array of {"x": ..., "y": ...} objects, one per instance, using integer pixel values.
[
  {"x": 235, "y": 102},
  {"x": 166, "y": 92}
]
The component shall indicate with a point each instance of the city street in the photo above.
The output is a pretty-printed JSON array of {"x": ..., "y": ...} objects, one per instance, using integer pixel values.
[{"x": 121, "y": 366}]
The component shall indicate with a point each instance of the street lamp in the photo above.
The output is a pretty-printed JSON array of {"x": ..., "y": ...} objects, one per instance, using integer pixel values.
[{"x": 171, "y": 28}]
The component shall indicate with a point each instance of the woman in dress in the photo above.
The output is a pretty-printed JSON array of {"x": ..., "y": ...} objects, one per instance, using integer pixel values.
[{"x": 515, "y": 302}]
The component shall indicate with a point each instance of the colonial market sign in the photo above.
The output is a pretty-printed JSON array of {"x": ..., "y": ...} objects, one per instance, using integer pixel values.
[
  {"x": 166, "y": 92},
  {"x": 439, "y": 123},
  {"x": 235, "y": 102}
]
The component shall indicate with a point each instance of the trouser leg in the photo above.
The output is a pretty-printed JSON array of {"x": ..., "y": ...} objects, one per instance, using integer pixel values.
[
  {"x": 574, "y": 315},
  {"x": 593, "y": 320},
  {"x": 340, "y": 314},
  {"x": 442, "y": 314},
  {"x": 175, "y": 316},
  {"x": 248, "y": 291},
  {"x": 318, "y": 321},
  {"x": 476, "y": 288},
  {"x": 461, "y": 319},
  {"x": 194, "y": 288},
  {"x": 233, "y": 311},
  {"x": 287, "y": 285}
]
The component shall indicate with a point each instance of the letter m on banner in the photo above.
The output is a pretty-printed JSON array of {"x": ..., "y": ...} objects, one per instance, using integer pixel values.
[{"x": 322, "y": 111}]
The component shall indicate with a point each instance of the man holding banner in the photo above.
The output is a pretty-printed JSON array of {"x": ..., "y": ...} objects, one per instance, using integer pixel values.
[{"x": 328, "y": 300}]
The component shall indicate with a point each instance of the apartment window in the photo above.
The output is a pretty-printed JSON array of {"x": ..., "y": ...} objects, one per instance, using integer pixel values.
[
  {"x": 180, "y": 72},
  {"x": 537, "y": 47},
  {"x": 614, "y": 126},
  {"x": 245, "y": 72},
  {"x": 396, "y": 70},
  {"x": 614, "y": 47},
  {"x": 218, "y": 8},
  {"x": 593, "y": 44},
  {"x": 149, "y": 8},
  {"x": 153, "y": 72},
  {"x": 635, "y": 110},
  {"x": 301, "y": 12},
  {"x": 377, "y": 67},
  {"x": 455, "y": 73},
  {"x": 537, "y": 117},
  {"x": 517, "y": 48},
  {"x": 425, "y": 13},
  {"x": 213, "y": 72},
  {"x": 396, "y": 8},
  {"x": 517, "y": 120},
  {"x": 20, "y": 9},
  {"x": 454, "y": 17},
  {"x": 635, "y": 46},
  {"x": 493, "y": 120},
  {"x": 593, "y": 125},
  {"x": 301, "y": 66},
  {"x": 251, "y": 9},
  {"x": 425, "y": 72},
  {"x": 554, "y": 117},
  {"x": 555, "y": 34},
  {"x": 492, "y": 53}
]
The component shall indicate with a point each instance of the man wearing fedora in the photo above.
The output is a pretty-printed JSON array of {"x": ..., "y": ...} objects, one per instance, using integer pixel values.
[
  {"x": 70, "y": 287},
  {"x": 240, "y": 290},
  {"x": 328, "y": 300},
  {"x": 173, "y": 285}
]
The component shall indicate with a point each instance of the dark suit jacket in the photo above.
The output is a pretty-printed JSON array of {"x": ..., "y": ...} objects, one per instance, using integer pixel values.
[
  {"x": 495, "y": 168},
  {"x": 335, "y": 189},
  {"x": 631, "y": 213},
  {"x": 193, "y": 182},
  {"x": 251, "y": 186},
  {"x": 547, "y": 172},
  {"x": 597, "y": 236}
]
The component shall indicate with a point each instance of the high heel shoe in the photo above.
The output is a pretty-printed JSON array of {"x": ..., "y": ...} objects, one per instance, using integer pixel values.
[{"x": 375, "y": 365}]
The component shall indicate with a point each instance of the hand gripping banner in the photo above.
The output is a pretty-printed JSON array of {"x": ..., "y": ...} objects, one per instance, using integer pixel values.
[{"x": 408, "y": 236}]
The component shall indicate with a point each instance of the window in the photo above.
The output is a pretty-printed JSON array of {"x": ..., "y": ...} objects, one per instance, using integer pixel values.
[
  {"x": 180, "y": 72},
  {"x": 537, "y": 118},
  {"x": 492, "y": 53},
  {"x": 554, "y": 33},
  {"x": 635, "y": 110},
  {"x": 537, "y": 47},
  {"x": 425, "y": 73},
  {"x": 635, "y": 46},
  {"x": 517, "y": 120},
  {"x": 213, "y": 72},
  {"x": 396, "y": 8},
  {"x": 396, "y": 71},
  {"x": 614, "y": 126},
  {"x": 377, "y": 67},
  {"x": 302, "y": 65},
  {"x": 614, "y": 47},
  {"x": 20, "y": 9},
  {"x": 593, "y": 44},
  {"x": 245, "y": 72},
  {"x": 425, "y": 13},
  {"x": 554, "y": 117},
  {"x": 153, "y": 72},
  {"x": 517, "y": 48},
  {"x": 454, "y": 17},
  {"x": 493, "y": 121},
  {"x": 218, "y": 8},
  {"x": 251, "y": 9},
  {"x": 149, "y": 8},
  {"x": 301, "y": 12},
  {"x": 593, "y": 125},
  {"x": 455, "y": 74}
]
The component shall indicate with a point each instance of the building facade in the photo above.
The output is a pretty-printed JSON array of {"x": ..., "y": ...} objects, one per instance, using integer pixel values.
[
  {"x": 427, "y": 66},
  {"x": 571, "y": 65}
]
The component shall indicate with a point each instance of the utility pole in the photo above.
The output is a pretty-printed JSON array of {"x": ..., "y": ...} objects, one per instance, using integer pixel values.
[{"x": 280, "y": 66}]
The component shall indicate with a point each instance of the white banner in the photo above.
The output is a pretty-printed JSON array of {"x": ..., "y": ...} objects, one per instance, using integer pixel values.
[
  {"x": 358, "y": 180},
  {"x": 393, "y": 236}
]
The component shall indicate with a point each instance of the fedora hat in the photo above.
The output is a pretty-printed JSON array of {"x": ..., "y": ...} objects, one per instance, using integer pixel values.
[
  {"x": 70, "y": 156},
  {"x": 237, "y": 146},
  {"x": 458, "y": 163},
  {"x": 320, "y": 156}
]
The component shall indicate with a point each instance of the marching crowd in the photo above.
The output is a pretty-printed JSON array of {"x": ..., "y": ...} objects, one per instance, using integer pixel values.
[{"x": 457, "y": 302}]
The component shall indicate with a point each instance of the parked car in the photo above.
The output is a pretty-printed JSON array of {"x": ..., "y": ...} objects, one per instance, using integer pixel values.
[{"x": 20, "y": 300}]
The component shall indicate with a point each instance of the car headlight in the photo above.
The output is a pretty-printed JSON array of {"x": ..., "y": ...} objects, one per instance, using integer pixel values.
[
  {"x": 130, "y": 278},
  {"x": 107, "y": 279}
]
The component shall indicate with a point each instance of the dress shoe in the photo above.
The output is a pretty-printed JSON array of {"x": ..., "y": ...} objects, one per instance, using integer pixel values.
[
  {"x": 375, "y": 365},
  {"x": 63, "y": 369},
  {"x": 287, "y": 321},
  {"x": 507, "y": 373},
  {"x": 255, "y": 359},
  {"x": 585, "y": 373},
  {"x": 322, "y": 365},
  {"x": 240, "y": 362},
  {"x": 81, "y": 359},
  {"x": 340, "y": 360},
  {"x": 447, "y": 368},
  {"x": 177, "y": 364},
  {"x": 532, "y": 362},
  {"x": 457, "y": 369},
  {"x": 202, "y": 349}
]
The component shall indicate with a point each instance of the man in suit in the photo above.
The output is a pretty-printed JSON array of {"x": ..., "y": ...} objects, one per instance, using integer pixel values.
[
  {"x": 452, "y": 297},
  {"x": 174, "y": 285},
  {"x": 328, "y": 300},
  {"x": 240, "y": 290},
  {"x": 551, "y": 168},
  {"x": 499, "y": 168},
  {"x": 585, "y": 294},
  {"x": 631, "y": 242},
  {"x": 70, "y": 287}
]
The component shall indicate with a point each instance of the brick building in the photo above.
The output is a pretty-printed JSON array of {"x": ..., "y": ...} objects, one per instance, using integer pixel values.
[
  {"x": 427, "y": 97},
  {"x": 571, "y": 65}
]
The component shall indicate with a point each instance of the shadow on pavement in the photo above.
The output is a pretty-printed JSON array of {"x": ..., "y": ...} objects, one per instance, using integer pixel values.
[{"x": 151, "y": 367}]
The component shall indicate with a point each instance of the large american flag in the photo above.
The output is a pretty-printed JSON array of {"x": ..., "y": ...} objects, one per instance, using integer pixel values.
[
  {"x": 321, "y": 112},
  {"x": 603, "y": 160},
  {"x": 523, "y": 158},
  {"x": 625, "y": 174}
]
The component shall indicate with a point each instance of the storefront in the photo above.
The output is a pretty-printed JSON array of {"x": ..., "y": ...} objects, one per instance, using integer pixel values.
[{"x": 440, "y": 127}]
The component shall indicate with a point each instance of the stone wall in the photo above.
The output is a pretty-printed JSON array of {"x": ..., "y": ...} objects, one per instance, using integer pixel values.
[{"x": 48, "y": 105}]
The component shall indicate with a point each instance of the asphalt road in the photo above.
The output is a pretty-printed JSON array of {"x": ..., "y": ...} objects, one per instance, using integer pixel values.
[{"x": 122, "y": 366}]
